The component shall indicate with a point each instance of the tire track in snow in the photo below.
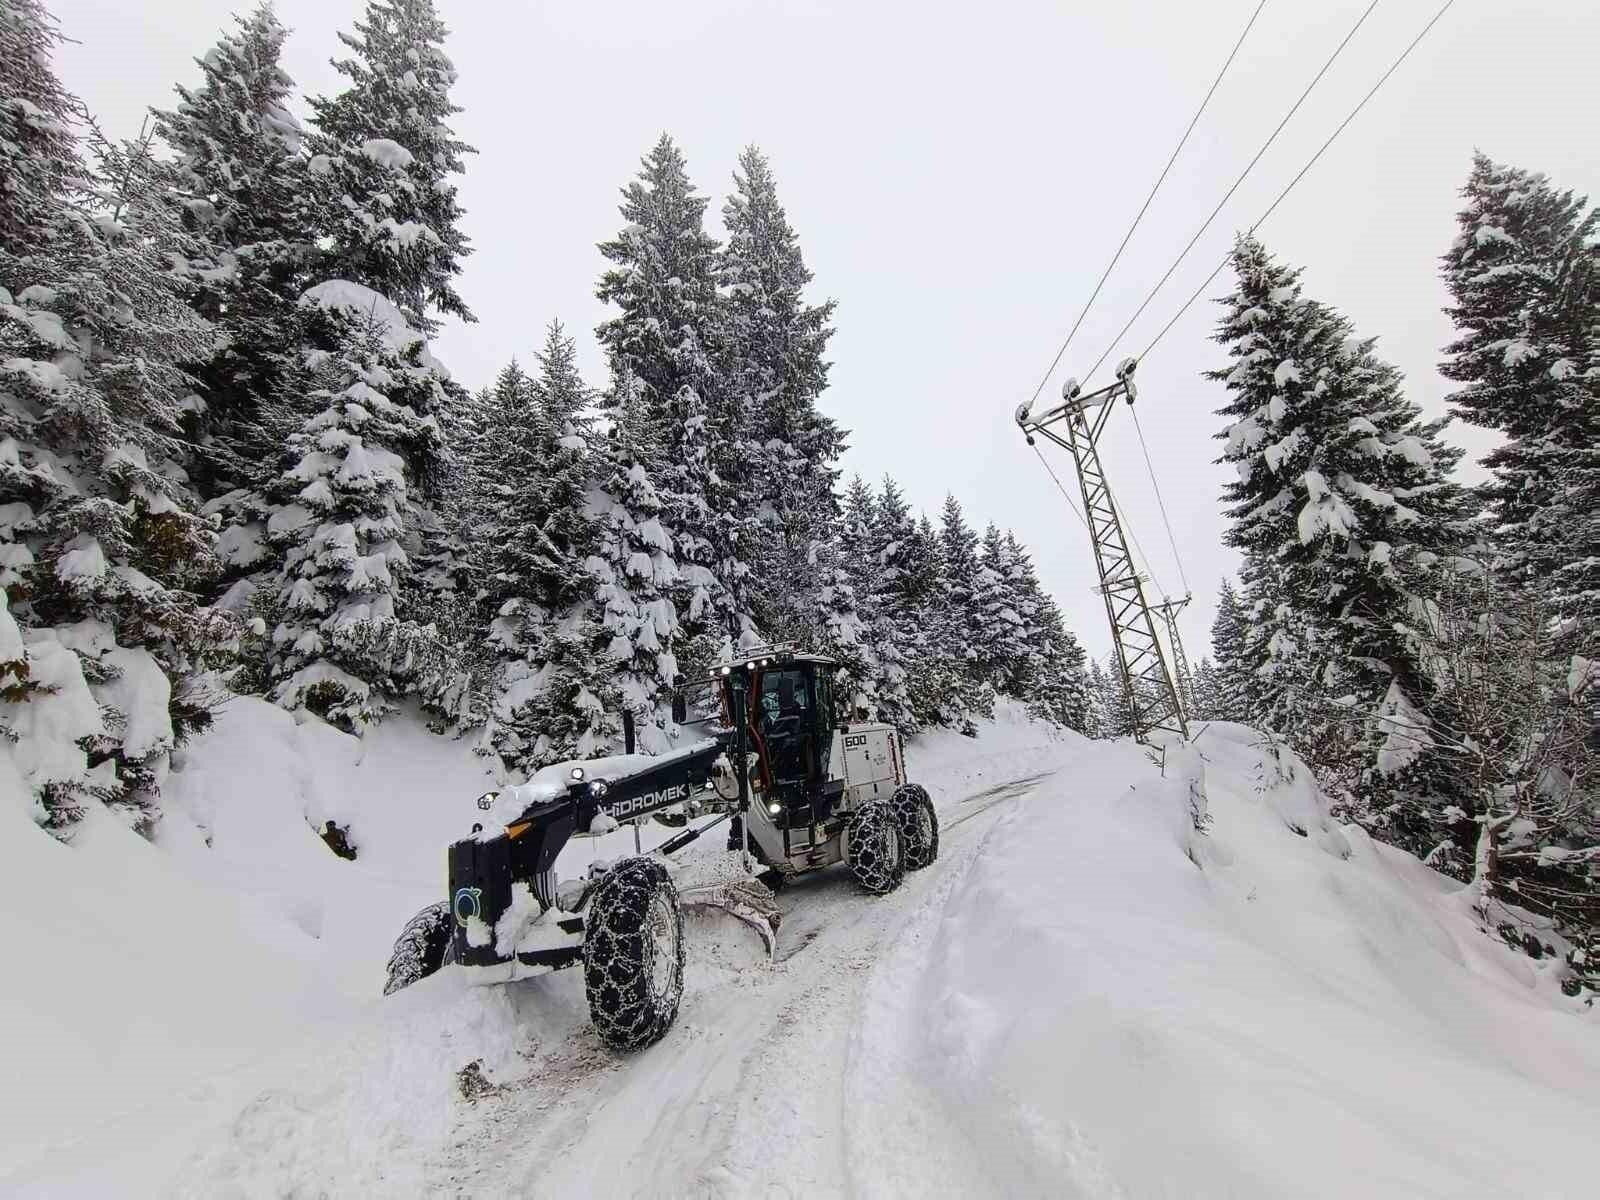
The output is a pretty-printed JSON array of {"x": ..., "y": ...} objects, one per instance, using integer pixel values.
[
  {"x": 884, "y": 1109},
  {"x": 908, "y": 1133}
]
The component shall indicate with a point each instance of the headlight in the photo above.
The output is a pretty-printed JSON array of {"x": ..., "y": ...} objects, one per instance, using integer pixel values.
[
  {"x": 774, "y": 809},
  {"x": 577, "y": 774}
]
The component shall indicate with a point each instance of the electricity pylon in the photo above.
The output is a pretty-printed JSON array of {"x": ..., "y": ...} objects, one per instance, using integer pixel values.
[
  {"x": 1169, "y": 610},
  {"x": 1152, "y": 695}
]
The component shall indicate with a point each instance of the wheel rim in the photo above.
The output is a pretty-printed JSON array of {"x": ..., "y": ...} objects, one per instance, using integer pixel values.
[{"x": 661, "y": 943}]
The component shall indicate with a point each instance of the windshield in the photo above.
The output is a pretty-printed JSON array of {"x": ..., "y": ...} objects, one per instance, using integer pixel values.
[{"x": 785, "y": 700}]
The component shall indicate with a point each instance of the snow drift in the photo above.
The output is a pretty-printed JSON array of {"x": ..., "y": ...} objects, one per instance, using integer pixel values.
[{"x": 1187, "y": 981}]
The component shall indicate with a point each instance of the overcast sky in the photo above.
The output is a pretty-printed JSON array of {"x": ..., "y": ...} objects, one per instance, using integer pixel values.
[{"x": 959, "y": 174}]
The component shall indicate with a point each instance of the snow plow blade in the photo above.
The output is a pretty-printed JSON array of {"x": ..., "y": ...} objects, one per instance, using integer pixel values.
[{"x": 746, "y": 901}]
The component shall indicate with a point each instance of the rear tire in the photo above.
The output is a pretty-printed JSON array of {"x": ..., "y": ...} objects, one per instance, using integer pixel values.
[
  {"x": 633, "y": 954},
  {"x": 919, "y": 824},
  {"x": 421, "y": 949},
  {"x": 874, "y": 848}
]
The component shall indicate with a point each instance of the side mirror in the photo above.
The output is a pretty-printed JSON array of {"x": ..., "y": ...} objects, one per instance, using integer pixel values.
[{"x": 680, "y": 708}]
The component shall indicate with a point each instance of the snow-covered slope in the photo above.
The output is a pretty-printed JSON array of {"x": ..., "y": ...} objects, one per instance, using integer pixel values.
[
  {"x": 1113, "y": 1003},
  {"x": 141, "y": 974},
  {"x": 1085, "y": 995}
]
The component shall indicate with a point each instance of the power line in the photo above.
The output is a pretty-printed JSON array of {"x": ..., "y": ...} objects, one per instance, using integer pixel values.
[
  {"x": 1228, "y": 195},
  {"x": 1133, "y": 536},
  {"x": 1063, "y": 489},
  {"x": 1311, "y": 162},
  {"x": 1106, "y": 274},
  {"x": 1160, "y": 503}
]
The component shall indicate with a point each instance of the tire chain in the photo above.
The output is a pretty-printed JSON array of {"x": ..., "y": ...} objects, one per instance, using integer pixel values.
[
  {"x": 421, "y": 949},
  {"x": 874, "y": 848},
  {"x": 918, "y": 823},
  {"x": 618, "y": 952}
]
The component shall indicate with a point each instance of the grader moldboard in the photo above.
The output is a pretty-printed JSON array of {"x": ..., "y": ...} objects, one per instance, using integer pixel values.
[{"x": 802, "y": 788}]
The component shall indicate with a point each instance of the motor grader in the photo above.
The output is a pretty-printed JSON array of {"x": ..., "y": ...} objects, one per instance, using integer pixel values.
[{"x": 801, "y": 785}]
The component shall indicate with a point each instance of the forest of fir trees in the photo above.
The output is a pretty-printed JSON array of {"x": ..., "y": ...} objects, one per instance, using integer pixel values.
[
  {"x": 229, "y": 463},
  {"x": 1430, "y": 647}
]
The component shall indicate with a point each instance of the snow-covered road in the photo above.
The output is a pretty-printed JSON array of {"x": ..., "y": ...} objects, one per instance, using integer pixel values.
[
  {"x": 1131, "y": 973},
  {"x": 749, "y": 1094}
]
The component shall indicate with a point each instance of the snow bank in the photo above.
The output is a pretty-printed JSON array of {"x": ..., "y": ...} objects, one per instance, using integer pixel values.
[
  {"x": 129, "y": 984},
  {"x": 1194, "y": 983},
  {"x": 155, "y": 975}
]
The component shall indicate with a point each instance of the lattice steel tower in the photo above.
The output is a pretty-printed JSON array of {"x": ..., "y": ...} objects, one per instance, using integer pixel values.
[
  {"x": 1169, "y": 610},
  {"x": 1147, "y": 677}
]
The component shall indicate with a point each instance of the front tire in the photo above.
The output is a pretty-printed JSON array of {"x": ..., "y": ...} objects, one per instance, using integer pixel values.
[
  {"x": 421, "y": 949},
  {"x": 874, "y": 848},
  {"x": 633, "y": 954},
  {"x": 919, "y": 824}
]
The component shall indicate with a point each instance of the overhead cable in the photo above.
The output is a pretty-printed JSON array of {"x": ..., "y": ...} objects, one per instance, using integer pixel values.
[
  {"x": 1228, "y": 195},
  {"x": 1106, "y": 274},
  {"x": 1311, "y": 162}
]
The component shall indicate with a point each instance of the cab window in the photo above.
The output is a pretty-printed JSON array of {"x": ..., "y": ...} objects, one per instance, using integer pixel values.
[{"x": 785, "y": 699}]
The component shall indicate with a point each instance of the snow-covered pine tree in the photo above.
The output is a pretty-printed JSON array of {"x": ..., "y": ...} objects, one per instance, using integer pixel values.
[
  {"x": 894, "y": 577},
  {"x": 381, "y": 194},
  {"x": 852, "y": 544},
  {"x": 507, "y": 487},
  {"x": 341, "y": 515},
  {"x": 1048, "y": 673},
  {"x": 239, "y": 179},
  {"x": 487, "y": 433},
  {"x": 1284, "y": 648},
  {"x": 1515, "y": 714},
  {"x": 101, "y": 544},
  {"x": 933, "y": 678},
  {"x": 380, "y": 199},
  {"x": 553, "y": 697},
  {"x": 39, "y": 158},
  {"x": 785, "y": 452},
  {"x": 667, "y": 336},
  {"x": 47, "y": 716},
  {"x": 634, "y": 567},
  {"x": 936, "y": 683},
  {"x": 1337, "y": 473},
  {"x": 1095, "y": 682},
  {"x": 1005, "y": 646},
  {"x": 1108, "y": 701},
  {"x": 1061, "y": 693},
  {"x": 1027, "y": 601},
  {"x": 965, "y": 630},
  {"x": 959, "y": 546},
  {"x": 1575, "y": 583},
  {"x": 1233, "y": 674},
  {"x": 842, "y": 633},
  {"x": 713, "y": 580},
  {"x": 1524, "y": 278},
  {"x": 463, "y": 474},
  {"x": 1207, "y": 699}
]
